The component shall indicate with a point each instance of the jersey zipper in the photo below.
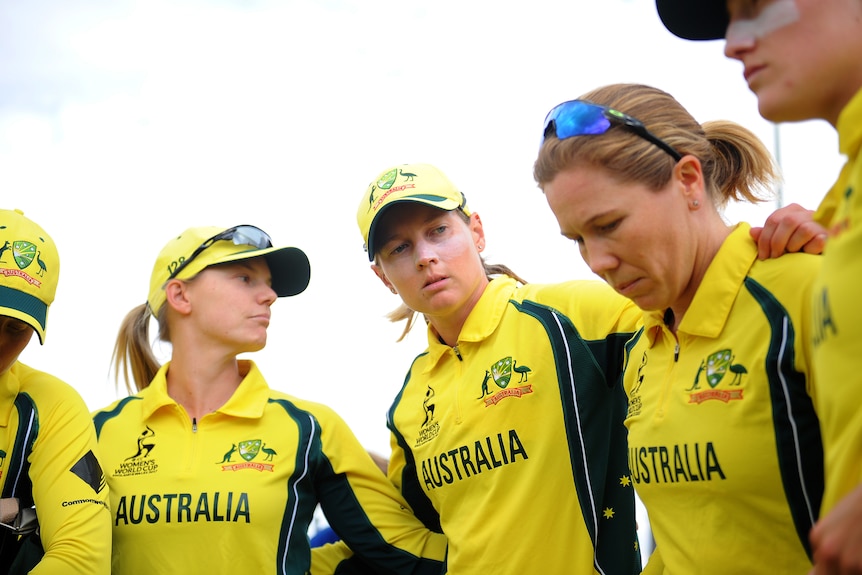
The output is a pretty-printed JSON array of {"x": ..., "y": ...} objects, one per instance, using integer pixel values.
[
  {"x": 457, "y": 384},
  {"x": 668, "y": 384}
]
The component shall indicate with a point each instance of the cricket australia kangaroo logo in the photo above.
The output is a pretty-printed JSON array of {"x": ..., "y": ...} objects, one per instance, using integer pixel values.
[
  {"x": 501, "y": 373},
  {"x": 23, "y": 253},
  {"x": 713, "y": 369},
  {"x": 248, "y": 450}
]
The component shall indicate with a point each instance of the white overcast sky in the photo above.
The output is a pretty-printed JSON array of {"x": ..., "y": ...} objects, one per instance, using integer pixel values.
[{"x": 122, "y": 123}]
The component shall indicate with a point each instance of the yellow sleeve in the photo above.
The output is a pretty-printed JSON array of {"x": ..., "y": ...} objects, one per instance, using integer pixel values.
[
  {"x": 326, "y": 559},
  {"x": 69, "y": 488},
  {"x": 369, "y": 514}
]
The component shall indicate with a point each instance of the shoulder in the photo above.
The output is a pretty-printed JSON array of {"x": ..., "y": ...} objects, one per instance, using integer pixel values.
[
  {"x": 571, "y": 293},
  {"x": 790, "y": 271},
  {"x": 47, "y": 390},
  {"x": 592, "y": 305},
  {"x": 296, "y": 405}
]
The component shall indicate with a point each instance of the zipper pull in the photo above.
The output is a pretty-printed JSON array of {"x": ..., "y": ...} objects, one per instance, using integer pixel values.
[
  {"x": 457, "y": 353},
  {"x": 676, "y": 352},
  {"x": 194, "y": 425}
]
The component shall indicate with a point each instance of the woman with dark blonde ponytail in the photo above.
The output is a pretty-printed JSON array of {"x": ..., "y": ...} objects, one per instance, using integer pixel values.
[{"x": 723, "y": 439}]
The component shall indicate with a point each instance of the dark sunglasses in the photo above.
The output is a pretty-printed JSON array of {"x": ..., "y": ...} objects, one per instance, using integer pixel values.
[
  {"x": 240, "y": 235},
  {"x": 583, "y": 118}
]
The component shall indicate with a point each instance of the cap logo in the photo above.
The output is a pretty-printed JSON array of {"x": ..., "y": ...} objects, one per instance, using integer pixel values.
[
  {"x": 391, "y": 191},
  {"x": 23, "y": 252},
  {"x": 385, "y": 182}
]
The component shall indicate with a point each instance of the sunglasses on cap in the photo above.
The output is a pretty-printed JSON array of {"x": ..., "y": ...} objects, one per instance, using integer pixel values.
[
  {"x": 240, "y": 235},
  {"x": 583, "y": 118}
]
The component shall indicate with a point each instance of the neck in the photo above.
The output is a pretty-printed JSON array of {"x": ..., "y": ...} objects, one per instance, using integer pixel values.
[
  {"x": 448, "y": 326},
  {"x": 202, "y": 387},
  {"x": 708, "y": 246}
]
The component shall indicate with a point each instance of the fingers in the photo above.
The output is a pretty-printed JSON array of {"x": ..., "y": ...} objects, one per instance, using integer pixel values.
[
  {"x": 837, "y": 540},
  {"x": 787, "y": 230}
]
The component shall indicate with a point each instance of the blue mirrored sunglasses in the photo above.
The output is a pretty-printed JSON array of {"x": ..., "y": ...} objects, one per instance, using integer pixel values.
[
  {"x": 583, "y": 118},
  {"x": 240, "y": 235}
]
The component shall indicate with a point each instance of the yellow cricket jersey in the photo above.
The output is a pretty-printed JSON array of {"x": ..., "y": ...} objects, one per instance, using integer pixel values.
[
  {"x": 837, "y": 335},
  {"x": 724, "y": 442},
  {"x": 512, "y": 442},
  {"x": 64, "y": 479},
  {"x": 236, "y": 490}
]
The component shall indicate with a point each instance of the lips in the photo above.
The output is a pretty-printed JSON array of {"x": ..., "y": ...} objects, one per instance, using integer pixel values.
[
  {"x": 751, "y": 71},
  {"x": 626, "y": 287},
  {"x": 434, "y": 279}
]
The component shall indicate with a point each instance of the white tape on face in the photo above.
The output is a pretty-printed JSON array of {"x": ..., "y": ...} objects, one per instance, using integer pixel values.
[{"x": 774, "y": 16}]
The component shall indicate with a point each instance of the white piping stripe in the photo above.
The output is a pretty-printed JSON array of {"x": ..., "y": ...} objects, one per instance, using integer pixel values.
[
  {"x": 782, "y": 348},
  {"x": 27, "y": 434},
  {"x": 296, "y": 497},
  {"x": 580, "y": 438}
]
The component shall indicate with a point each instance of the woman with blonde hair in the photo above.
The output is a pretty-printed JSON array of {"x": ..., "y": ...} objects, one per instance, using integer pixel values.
[
  {"x": 724, "y": 441},
  {"x": 507, "y": 433},
  {"x": 209, "y": 468}
]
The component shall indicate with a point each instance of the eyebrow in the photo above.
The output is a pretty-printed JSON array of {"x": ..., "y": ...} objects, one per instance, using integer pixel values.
[{"x": 383, "y": 239}]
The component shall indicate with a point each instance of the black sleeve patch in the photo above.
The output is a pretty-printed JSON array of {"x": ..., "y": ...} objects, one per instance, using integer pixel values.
[{"x": 89, "y": 470}]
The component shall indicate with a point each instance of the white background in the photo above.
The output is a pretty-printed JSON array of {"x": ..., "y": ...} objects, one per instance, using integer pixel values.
[{"x": 123, "y": 123}]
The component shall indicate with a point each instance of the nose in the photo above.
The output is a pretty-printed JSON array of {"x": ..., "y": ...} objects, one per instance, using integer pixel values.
[
  {"x": 739, "y": 39},
  {"x": 268, "y": 295},
  {"x": 426, "y": 253},
  {"x": 598, "y": 258}
]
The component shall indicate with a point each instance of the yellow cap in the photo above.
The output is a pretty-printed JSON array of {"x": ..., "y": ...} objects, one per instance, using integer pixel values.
[
  {"x": 30, "y": 270},
  {"x": 289, "y": 266},
  {"x": 422, "y": 183}
]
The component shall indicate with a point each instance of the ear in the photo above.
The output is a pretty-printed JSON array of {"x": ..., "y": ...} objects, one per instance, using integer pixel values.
[
  {"x": 378, "y": 271},
  {"x": 688, "y": 172},
  {"x": 176, "y": 293},
  {"x": 477, "y": 230}
]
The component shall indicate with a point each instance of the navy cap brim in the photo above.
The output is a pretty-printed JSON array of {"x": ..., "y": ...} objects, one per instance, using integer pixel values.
[
  {"x": 290, "y": 271},
  {"x": 694, "y": 19}
]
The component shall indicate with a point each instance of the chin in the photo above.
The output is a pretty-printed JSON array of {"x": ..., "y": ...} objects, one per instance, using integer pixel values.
[
  {"x": 647, "y": 303},
  {"x": 779, "y": 109}
]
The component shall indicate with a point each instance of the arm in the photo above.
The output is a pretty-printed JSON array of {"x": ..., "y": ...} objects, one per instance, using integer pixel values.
[
  {"x": 369, "y": 514},
  {"x": 788, "y": 230},
  {"x": 836, "y": 539},
  {"x": 69, "y": 488}
]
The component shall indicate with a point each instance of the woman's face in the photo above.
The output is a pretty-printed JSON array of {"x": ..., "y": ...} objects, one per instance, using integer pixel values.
[
  {"x": 230, "y": 304},
  {"x": 14, "y": 337},
  {"x": 636, "y": 239},
  {"x": 800, "y": 57},
  {"x": 430, "y": 257}
]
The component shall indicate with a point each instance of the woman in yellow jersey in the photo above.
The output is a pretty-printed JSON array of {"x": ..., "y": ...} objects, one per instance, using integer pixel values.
[
  {"x": 507, "y": 434},
  {"x": 47, "y": 442},
  {"x": 724, "y": 443},
  {"x": 801, "y": 60},
  {"x": 211, "y": 470}
]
